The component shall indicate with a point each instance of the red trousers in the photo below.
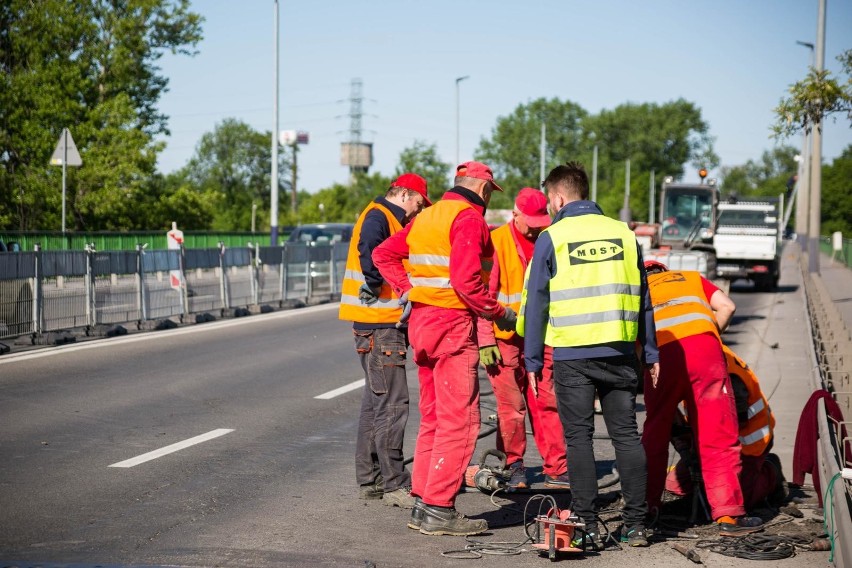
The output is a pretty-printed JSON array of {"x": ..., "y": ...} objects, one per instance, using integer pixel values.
[
  {"x": 515, "y": 399},
  {"x": 758, "y": 479},
  {"x": 693, "y": 370},
  {"x": 444, "y": 345}
]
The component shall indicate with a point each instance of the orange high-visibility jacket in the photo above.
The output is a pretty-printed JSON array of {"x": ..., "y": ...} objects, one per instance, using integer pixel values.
[
  {"x": 756, "y": 430},
  {"x": 429, "y": 256},
  {"x": 512, "y": 269},
  {"x": 387, "y": 308},
  {"x": 680, "y": 306}
]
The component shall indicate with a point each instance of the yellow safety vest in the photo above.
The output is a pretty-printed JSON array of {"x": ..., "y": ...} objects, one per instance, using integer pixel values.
[
  {"x": 387, "y": 308},
  {"x": 680, "y": 306},
  {"x": 511, "y": 284},
  {"x": 756, "y": 431},
  {"x": 595, "y": 295},
  {"x": 429, "y": 255}
]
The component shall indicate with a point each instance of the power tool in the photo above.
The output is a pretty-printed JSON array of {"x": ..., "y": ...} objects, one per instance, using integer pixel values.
[{"x": 489, "y": 478}]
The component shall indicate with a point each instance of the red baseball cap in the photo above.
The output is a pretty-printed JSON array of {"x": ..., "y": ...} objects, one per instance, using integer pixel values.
[
  {"x": 413, "y": 182},
  {"x": 531, "y": 204},
  {"x": 477, "y": 170}
]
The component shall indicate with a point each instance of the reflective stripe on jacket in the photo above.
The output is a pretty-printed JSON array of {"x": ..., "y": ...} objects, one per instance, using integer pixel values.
[
  {"x": 387, "y": 308},
  {"x": 429, "y": 250},
  {"x": 757, "y": 429},
  {"x": 512, "y": 269},
  {"x": 595, "y": 294},
  {"x": 680, "y": 306}
]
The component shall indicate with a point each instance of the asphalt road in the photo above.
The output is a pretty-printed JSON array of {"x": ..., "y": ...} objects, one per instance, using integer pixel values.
[{"x": 274, "y": 488}]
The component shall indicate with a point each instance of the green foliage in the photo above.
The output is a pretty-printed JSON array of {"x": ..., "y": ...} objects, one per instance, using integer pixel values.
[
  {"x": 422, "y": 159},
  {"x": 836, "y": 195},
  {"x": 767, "y": 176},
  {"x": 815, "y": 97},
  {"x": 342, "y": 203},
  {"x": 231, "y": 169},
  {"x": 89, "y": 66},
  {"x": 514, "y": 149}
]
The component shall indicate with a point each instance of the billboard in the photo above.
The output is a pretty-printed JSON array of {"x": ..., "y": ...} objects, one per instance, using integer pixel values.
[{"x": 356, "y": 154}]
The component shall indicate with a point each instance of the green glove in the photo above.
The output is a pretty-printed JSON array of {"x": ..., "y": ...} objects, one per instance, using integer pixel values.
[{"x": 490, "y": 355}]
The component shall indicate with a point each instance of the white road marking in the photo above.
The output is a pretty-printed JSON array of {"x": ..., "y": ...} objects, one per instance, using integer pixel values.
[
  {"x": 342, "y": 390},
  {"x": 148, "y": 336},
  {"x": 173, "y": 448}
]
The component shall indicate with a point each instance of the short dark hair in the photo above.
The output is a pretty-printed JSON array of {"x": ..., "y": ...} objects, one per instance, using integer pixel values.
[{"x": 572, "y": 175}]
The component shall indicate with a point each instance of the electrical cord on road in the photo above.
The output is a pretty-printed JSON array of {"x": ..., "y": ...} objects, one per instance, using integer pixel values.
[{"x": 757, "y": 547}]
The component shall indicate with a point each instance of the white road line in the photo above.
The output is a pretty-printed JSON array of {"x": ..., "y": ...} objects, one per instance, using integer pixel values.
[
  {"x": 173, "y": 448},
  {"x": 148, "y": 336},
  {"x": 342, "y": 390}
]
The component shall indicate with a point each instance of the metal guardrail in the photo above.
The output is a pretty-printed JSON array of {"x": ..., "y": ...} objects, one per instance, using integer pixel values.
[
  {"x": 833, "y": 361},
  {"x": 46, "y": 291},
  {"x": 844, "y": 255}
]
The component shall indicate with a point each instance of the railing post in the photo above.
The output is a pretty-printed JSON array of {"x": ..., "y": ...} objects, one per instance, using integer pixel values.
[
  {"x": 282, "y": 275},
  {"x": 184, "y": 283},
  {"x": 332, "y": 271},
  {"x": 308, "y": 279},
  {"x": 90, "y": 287},
  {"x": 142, "y": 302},
  {"x": 223, "y": 278},
  {"x": 254, "y": 266},
  {"x": 38, "y": 295}
]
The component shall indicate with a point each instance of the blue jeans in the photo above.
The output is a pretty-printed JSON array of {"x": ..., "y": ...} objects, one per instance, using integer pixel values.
[
  {"x": 615, "y": 379},
  {"x": 384, "y": 408}
]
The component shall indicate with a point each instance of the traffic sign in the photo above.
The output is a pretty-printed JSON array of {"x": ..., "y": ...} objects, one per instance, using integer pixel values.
[{"x": 66, "y": 151}]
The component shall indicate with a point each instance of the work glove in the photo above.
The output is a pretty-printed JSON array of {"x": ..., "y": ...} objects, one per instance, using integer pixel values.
[
  {"x": 490, "y": 355},
  {"x": 406, "y": 310},
  {"x": 367, "y": 295},
  {"x": 507, "y": 321}
]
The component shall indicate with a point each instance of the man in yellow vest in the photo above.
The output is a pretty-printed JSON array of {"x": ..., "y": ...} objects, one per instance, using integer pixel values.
[
  {"x": 370, "y": 303},
  {"x": 690, "y": 313},
  {"x": 448, "y": 249},
  {"x": 586, "y": 297},
  {"x": 503, "y": 353},
  {"x": 761, "y": 476}
]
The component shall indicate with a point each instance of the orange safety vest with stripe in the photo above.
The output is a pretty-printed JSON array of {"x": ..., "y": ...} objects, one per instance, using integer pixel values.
[
  {"x": 429, "y": 256},
  {"x": 680, "y": 306},
  {"x": 512, "y": 268},
  {"x": 756, "y": 430},
  {"x": 387, "y": 308}
]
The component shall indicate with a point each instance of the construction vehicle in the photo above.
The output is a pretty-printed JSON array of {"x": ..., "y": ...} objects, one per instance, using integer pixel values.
[
  {"x": 748, "y": 240},
  {"x": 682, "y": 239}
]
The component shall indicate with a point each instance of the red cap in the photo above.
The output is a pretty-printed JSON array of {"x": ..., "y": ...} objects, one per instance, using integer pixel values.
[
  {"x": 531, "y": 204},
  {"x": 655, "y": 264},
  {"x": 413, "y": 182},
  {"x": 477, "y": 170}
]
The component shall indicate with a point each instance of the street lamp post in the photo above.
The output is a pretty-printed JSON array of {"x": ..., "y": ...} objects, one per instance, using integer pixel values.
[
  {"x": 458, "y": 80},
  {"x": 273, "y": 213},
  {"x": 815, "y": 188},
  {"x": 802, "y": 195}
]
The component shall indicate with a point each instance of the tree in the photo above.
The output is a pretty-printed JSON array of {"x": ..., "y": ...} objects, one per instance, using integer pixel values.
[
  {"x": 231, "y": 168},
  {"x": 815, "y": 97},
  {"x": 422, "y": 159},
  {"x": 514, "y": 148},
  {"x": 837, "y": 195},
  {"x": 90, "y": 66},
  {"x": 767, "y": 176}
]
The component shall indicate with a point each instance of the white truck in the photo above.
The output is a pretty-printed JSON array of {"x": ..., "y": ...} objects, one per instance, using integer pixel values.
[{"x": 747, "y": 241}]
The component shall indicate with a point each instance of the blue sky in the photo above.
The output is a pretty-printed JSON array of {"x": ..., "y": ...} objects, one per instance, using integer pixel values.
[{"x": 735, "y": 59}]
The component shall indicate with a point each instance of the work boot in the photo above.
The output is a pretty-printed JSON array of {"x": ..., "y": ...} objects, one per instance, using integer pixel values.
[
  {"x": 739, "y": 526},
  {"x": 416, "y": 515},
  {"x": 636, "y": 536},
  {"x": 372, "y": 491},
  {"x": 401, "y": 498},
  {"x": 519, "y": 477},
  {"x": 561, "y": 481},
  {"x": 592, "y": 538},
  {"x": 448, "y": 521}
]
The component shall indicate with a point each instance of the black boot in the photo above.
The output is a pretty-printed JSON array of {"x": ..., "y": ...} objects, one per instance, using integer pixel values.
[
  {"x": 416, "y": 515},
  {"x": 448, "y": 521}
]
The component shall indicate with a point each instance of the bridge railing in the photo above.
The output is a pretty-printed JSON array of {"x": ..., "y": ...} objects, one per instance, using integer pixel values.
[{"x": 44, "y": 291}]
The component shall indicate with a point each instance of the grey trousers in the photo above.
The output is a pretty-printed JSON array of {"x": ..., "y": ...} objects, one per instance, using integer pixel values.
[{"x": 384, "y": 408}]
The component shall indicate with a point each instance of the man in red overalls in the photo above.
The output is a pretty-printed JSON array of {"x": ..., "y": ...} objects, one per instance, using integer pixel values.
[
  {"x": 502, "y": 353},
  {"x": 690, "y": 313},
  {"x": 449, "y": 251}
]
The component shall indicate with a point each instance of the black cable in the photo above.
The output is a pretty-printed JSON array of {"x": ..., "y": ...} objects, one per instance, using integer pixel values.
[{"x": 753, "y": 547}]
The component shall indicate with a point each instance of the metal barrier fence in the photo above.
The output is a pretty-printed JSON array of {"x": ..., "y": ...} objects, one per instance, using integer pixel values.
[
  {"x": 833, "y": 361},
  {"x": 844, "y": 255},
  {"x": 44, "y": 291}
]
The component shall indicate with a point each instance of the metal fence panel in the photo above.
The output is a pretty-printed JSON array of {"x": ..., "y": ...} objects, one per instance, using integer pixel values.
[
  {"x": 64, "y": 302},
  {"x": 116, "y": 298},
  {"x": 161, "y": 299},
  {"x": 202, "y": 258},
  {"x": 240, "y": 291},
  {"x": 17, "y": 265},
  {"x": 16, "y": 307},
  {"x": 160, "y": 260},
  {"x": 64, "y": 263},
  {"x": 204, "y": 289}
]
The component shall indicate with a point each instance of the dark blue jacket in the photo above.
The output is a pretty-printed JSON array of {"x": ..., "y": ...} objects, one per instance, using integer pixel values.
[{"x": 537, "y": 310}]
